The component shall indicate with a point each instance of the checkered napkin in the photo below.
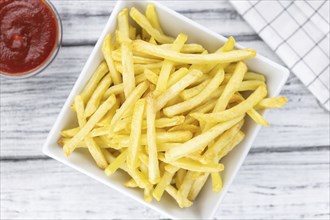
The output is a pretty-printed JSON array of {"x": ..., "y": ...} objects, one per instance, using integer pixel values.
[{"x": 298, "y": 31}]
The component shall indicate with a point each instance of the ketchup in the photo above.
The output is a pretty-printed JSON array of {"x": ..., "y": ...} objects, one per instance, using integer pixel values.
[{"x": 28, "y": 35}]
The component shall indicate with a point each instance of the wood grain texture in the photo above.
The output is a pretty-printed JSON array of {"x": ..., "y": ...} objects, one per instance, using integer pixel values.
[
  {"x": 39, "y": 189},
  {"x": 286, "y": 175}
]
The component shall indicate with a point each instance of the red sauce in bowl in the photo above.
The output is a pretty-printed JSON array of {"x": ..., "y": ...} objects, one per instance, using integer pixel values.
[{"x": 28, "y": 35}]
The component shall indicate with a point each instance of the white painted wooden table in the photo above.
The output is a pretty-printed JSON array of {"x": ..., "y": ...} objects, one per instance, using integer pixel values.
[{"x": 285, "y": 176}]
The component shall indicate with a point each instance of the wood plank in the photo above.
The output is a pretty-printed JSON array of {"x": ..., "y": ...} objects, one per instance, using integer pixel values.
[
  {"x": 83, "y": 22},
  {"x": 284, "y": 185},
  {"x": 29, "y": 108}
]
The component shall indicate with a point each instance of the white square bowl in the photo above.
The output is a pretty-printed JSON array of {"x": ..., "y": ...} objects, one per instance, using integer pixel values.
[{"x": 172, "y": 23}]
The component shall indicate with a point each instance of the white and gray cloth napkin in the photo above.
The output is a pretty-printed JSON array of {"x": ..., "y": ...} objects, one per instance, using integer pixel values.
[{"x": 298, "y": 31}]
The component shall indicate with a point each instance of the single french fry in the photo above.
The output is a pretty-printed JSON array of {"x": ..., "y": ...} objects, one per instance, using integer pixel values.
[
  {"x": 148, "y": 193},
  {"x": 129, "y": 103},
  {"x": 275, "y": 102},
  {"x": 216, "y": 182},
  {"x": 96, "y": 153},
  {"x": 248, "y": 76},
  {"x": 117, "y": 57},
  {"x": 187, "y": 48},
  {"x": 168, "y": 65},
  {"x": 134, "y": 140},
  {"x": 193, "y": 165},
  {"x": 174, "y": 193},
  {"x": 70, "y": 132},
  {"x": 184, "y": 127},
  {"x": 151, "y": 76},
  {"x": 191, "y": 92},
  {"x": 126, "y": 51},
  {"x": 257, "y": 117},
  {"x": 196, "y": 100},
  {"x": 152, "y": 16},
  {"x": 130, "y": 183},
  {"x": 141, "y": 20},
  {"x": 250, "y": 85},
  {"x": 100, "y": 131},
  {"x": 108, "y": 117},
  {"x": 169, "y": 122},
  {"x": 116, "y": 163},
  {"x": 128, "y": 68},
  {"x": 132, "y": 32},
  {"x": 107, "y": 49},
  {"x": 179, "y": 177},
  {"x": 94, "y": 101},
  {"x": 88, "y": 90},
  {"x": 116, "y": 89},
  {"x": 62, "y": 141},
  {"x": 154, "y": 174},
  {"x": 176, "y": 76},
  {"x": 80, "y": 110},
  {"x": 163, "y": 183},
  {"x": 254, "y": 76},
  {"x": 100, "y": 112},
  {"x": 227, "y": 57},
  {"x": 235, "y": 111},
  {"x": 231, "y": 87},
  {"x": 123, "y": 26},
  {"x": 175, "y": 89},
  {"x": 228, "y": 46},
  {"x": 199, "y": 142},
  {"x": 139, "y": 68},
  {"x": 173, "y": 101},
  {"x": 166, "y": 146}
]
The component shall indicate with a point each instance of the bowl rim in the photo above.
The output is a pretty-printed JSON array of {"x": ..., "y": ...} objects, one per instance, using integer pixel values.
[{"x": 113, "y": 17}]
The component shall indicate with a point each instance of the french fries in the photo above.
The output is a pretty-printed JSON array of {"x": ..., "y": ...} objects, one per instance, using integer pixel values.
[
  {"x": 154, "y": 175},
  {"x": 164, "y": 111}
]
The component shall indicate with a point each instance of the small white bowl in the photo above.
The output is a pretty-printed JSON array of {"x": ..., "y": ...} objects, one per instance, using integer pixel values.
[{"x": 172, "y": 23}]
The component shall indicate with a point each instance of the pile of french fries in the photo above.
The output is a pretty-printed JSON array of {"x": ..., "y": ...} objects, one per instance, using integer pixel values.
[{"x": 165, "y": 111}]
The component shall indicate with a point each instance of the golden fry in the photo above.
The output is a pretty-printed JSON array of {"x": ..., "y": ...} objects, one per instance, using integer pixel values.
[
  {"x": 200, "y": 141},
  {"x": 139, "y": 18},
  {"x": 101, "y": 70},
  {"x": 94, "y": 101},
  {"x": 134, "y": 140},
  {"x": 227, "y": 57},
  {"x": 154, "y": 175},
  {"x": 235, "y": 111},
  {"x": 107, "y": 49}
]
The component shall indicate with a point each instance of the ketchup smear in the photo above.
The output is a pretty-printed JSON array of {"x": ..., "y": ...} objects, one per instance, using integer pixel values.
[{"x": 28, "y": 35}]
